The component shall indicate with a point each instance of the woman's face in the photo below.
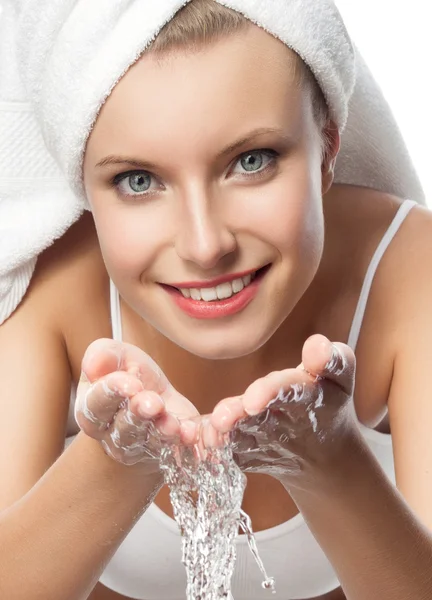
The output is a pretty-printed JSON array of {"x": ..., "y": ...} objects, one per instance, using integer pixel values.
[{"x": 204, "y": 175}]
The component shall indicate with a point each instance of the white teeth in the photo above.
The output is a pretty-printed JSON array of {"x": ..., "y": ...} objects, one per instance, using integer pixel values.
[
  {"x": 224, "y": 290},
  {"x": 195, "y": 294},
  {"x": 209, "y": 294},
  {"x": 220, "y": 292},
  {"x": 237, "y": 285}
]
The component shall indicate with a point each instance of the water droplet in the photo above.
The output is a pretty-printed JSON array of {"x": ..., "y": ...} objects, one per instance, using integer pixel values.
[
  {"x": 269, "y": 584},
  {"x": 246, "y": 525}
]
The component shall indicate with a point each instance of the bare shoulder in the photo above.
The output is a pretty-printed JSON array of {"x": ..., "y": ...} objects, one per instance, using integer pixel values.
[
  {"x": 405, "y": 281},
  {"x": 36, "y": 360},
  {"x": 70, "y": 289},
  {"x": 404, "y": 272},
  {"x": 406, "y": 285},
  {"x": 401, "y": 290}
]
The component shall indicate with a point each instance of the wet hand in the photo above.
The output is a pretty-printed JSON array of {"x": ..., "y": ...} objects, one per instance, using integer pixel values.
[
  {"x": 291, "y": 422},
  {"x": 126, "y": 402}
]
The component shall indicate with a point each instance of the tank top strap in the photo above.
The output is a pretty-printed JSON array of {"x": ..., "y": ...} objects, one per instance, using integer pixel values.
[
  {"x": 399, "y": 218},
  {"x": 116, "y": 322}
]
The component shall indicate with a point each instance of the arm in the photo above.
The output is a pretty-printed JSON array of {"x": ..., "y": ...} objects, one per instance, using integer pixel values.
[
  {"x": 67, "y": 527},
  {"x": 61, "y": 516},
  {"x": 378, "y": 547},
  {"x": 379, "y": 539}
]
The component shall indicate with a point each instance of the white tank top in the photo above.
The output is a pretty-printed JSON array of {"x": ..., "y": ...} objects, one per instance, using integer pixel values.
[{"x": 147, "y": 565}]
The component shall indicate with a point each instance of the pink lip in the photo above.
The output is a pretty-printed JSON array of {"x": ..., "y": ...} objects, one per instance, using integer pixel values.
[
  {"x": 211, "y": 282},
  {"x": 199, "y": 309}
]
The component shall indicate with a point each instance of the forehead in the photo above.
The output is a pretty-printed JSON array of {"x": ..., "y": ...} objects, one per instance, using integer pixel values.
[{"x": 247, "y": 75}]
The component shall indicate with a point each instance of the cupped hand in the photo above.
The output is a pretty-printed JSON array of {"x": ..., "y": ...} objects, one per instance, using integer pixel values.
[
  {"x": 126, "y": 402},
  {"x": 295, "y": 419}
]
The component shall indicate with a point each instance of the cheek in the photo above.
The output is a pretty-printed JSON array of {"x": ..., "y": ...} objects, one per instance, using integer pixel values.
[
  {"x": 130, "y": 237},
  {"x": 288, "y": 214}
]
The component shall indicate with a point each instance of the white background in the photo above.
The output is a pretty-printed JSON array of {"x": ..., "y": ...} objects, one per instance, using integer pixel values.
[{"x": 395, "y": 38}]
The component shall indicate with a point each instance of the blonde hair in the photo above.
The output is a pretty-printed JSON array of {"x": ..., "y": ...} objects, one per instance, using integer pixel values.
[{"x": 202, "y": 22}]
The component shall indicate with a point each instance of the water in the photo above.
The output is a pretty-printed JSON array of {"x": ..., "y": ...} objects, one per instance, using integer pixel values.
[
  {"x": 206, "y": 495},
  {"x": 246, "y": 524}
]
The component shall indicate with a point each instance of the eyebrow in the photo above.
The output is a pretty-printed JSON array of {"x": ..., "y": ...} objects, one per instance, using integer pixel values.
[
  {"x": 250, "y": 137},
  {"x": 125, "y": 160}
]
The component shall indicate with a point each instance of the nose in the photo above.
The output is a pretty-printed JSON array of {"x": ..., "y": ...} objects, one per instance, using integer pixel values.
[{"x": 203, "y": 237}]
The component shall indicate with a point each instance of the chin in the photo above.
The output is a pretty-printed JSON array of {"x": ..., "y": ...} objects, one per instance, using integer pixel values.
[
  {"x": 226, "y": 352},
  {"x": 223, "y": 347}
]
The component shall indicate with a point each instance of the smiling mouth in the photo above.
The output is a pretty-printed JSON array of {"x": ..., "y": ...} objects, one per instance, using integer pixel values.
[{"x": 223, "y": 291}]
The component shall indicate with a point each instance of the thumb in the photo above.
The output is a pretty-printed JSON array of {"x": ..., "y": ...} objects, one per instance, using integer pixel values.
[
  {"x": 102, "y": 357},
  {"x": 332, "y": 361}
]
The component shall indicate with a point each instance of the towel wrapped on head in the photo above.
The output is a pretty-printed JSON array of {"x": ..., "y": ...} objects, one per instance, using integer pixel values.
[{"x": 59, "y": 61}]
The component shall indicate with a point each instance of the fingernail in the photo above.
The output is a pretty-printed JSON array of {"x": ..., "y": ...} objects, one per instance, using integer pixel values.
[
  {"x": 132, "y": 387},
  {"x": 337, "y": 363},
  {"x": 253, "y": 409},
  {"x": 150, "y": 406},
  {"x": 252, "y": 412},
  {"x": 91, "y": 354},
  {"x": 222, "y": 417}
]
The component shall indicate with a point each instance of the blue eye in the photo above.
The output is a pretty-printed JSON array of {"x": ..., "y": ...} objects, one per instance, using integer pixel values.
[
  {"x": 134, "y": 183},
  {"x": 139, "y": 182},
  {"x": 254, "y": 162}
]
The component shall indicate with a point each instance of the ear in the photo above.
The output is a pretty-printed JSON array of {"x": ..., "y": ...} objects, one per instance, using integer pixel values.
[{"x": 331, "y": 137}]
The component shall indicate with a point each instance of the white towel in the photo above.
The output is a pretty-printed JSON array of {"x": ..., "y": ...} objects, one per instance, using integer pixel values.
[
  {"x": 36, "y": 203},
  {"x": 59, "y": 61},
  {"x": 373, "y": 152}
]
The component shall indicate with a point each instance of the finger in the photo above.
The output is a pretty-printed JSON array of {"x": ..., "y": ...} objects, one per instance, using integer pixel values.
[
  {"x": 278, "y": 387},
  {"x": 335, "y": 362},
  {"x": 189, "y": 431},
  {"x": 168, "y": 427},
  {"x": 98, "y": 403},
  {"x": 226, "y": 413},
  {"x": 104, "y": 356},
  {"x": 178, "y": 405},
  {"x": 210, "y": 436},
  {"x": 147, "y": 404},
  {"x": 136, "y": 437}
]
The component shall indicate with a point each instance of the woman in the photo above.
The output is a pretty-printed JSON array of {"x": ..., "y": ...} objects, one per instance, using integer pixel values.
[{"x": 223, "y": 193}]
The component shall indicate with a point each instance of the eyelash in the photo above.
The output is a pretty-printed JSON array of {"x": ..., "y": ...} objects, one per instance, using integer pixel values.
[{"x": 269, "y": 152}]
